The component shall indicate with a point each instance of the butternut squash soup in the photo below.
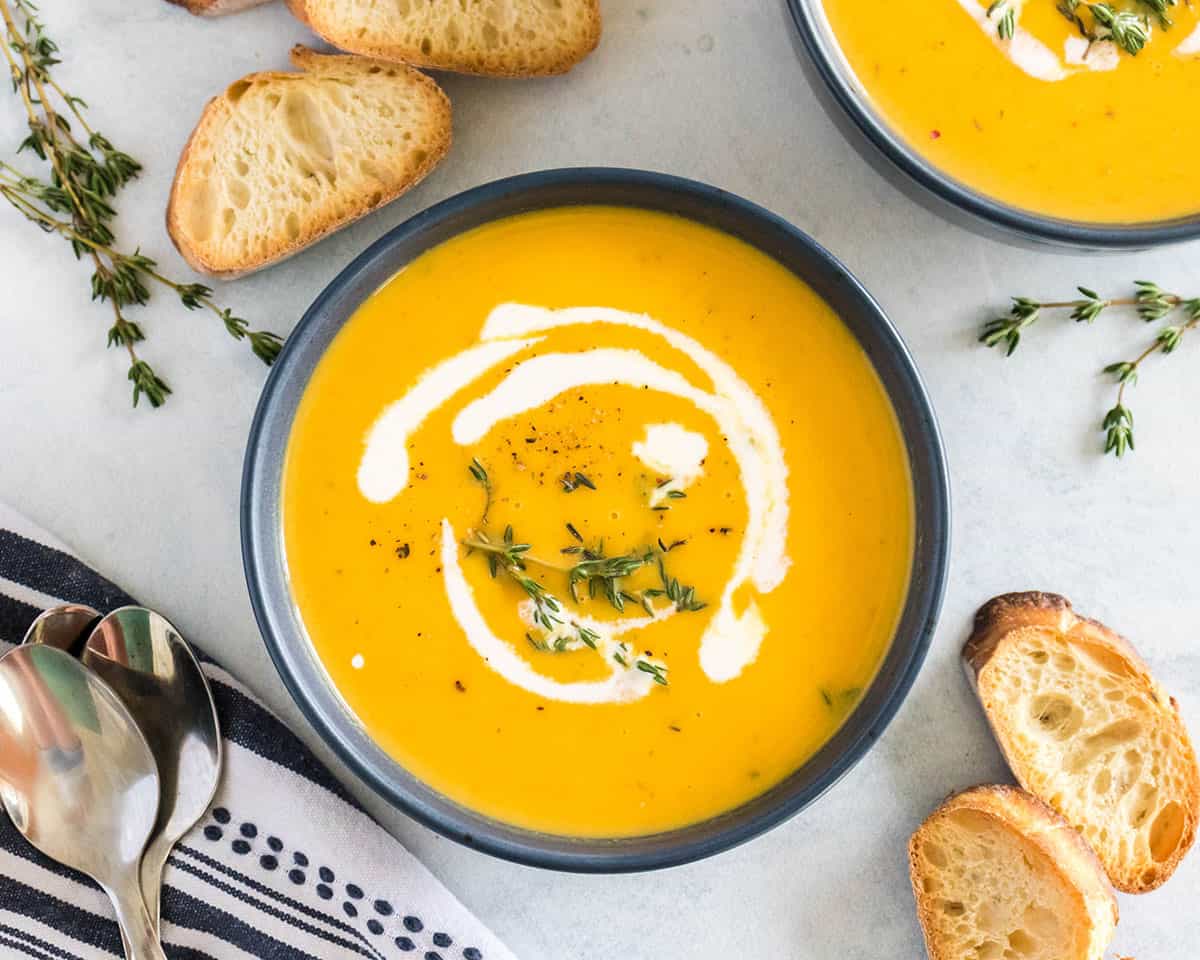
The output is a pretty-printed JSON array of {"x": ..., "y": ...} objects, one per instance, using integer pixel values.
[
  {"x": 1060, "y": 107},
  {"x": 599, "y": 520}
]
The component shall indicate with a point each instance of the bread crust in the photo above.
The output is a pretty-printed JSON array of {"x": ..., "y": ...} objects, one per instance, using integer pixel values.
[
  {"x": 299, "y": 11},
  {"x": 217, "y": 111},
  {"x": 216, "y": 8},
  {"x": 476, "y": 66},
  {"x": 1034, "y": 608},
  {"x": 1042, "y": 826},
  {"x": 998, "y": 620}
]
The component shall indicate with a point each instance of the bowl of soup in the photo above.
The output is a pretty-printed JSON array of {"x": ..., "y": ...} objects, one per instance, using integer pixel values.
[
  {"x": 596, "y": 518},
  {"x": 1054, "y": 121}
]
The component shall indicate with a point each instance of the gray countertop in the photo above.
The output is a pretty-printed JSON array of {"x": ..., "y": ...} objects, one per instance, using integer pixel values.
[{"x": 705, "y": 89}]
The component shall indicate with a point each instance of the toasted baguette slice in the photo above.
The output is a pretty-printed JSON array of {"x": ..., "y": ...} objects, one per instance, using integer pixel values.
[
  {"x": 215, "y": 8},
  {"x": 282, "y": 159},
  {"x": 998, "y": 875},
  {"x": 497, "y": 38},
  {"x": 1086, "y": 727}
]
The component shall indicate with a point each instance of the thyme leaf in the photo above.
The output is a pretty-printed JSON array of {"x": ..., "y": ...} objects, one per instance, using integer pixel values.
[
  {"x": 573, "y": 481},
  {"x": 480, "y": 475},
  {"x": 1007, "y": 24},
  {"x": 658, "y": 672}
]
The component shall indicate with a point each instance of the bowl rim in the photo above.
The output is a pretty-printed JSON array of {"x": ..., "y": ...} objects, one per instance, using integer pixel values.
[
  {"x": 824, "y": 52},
  {"x": 309, "y": 686}
]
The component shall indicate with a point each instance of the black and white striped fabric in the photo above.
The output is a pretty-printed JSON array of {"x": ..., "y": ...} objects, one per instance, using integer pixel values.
[{"x": 285, "y": 866}]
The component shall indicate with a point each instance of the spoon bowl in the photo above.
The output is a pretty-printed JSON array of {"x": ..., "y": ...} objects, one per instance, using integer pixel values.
[
  {"x": 64, "y": 627},
  {"x": 78, "y": 778},
  {"x": 153, "y": 671}
]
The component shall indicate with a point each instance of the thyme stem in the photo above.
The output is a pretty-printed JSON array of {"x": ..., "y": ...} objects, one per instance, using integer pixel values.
[{"x": 474, "y": 540}]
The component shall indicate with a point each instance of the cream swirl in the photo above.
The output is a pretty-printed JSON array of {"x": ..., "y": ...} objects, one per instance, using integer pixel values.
[{"x": 732, "y": 637}]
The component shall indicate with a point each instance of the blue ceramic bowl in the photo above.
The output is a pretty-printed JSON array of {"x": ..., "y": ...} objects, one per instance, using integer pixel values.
[
  {"x": 298, "y": 665},
  {"x": 849, "y": 106}
]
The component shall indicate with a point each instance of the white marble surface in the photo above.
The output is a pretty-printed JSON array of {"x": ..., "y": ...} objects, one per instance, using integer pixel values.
[{"x": 706, "y": 89}]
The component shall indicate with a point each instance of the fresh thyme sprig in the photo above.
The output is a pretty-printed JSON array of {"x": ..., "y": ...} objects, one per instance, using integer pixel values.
[
  {"x": 1152, "y": 304},
  {"x": 511, "y": 558},
  {"x": 601, "y": 573},
  {"x": 1125, "y": 28},
  {"x": 76, "y": 201},
  {"x": 1128, "y": 30}
]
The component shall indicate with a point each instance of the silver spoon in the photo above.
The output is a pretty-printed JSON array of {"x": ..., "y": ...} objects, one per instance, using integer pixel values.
[
  {"x": 64, "y": 627},
  {"x": 154, "y": 672},
  {"x": 78, "y": 779}
]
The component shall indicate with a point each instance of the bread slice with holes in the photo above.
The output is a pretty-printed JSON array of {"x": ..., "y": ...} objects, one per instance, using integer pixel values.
[
  {"x": 216, "y": 8},
  {"x": 998, "y": 875},
  {"x": 497, "y": 38},
  {"x": 1086, "y": 727},
  {"x": 279, "y": 160}
]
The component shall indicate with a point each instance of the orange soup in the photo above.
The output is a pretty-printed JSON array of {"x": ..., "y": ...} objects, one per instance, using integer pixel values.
[
  {"x": 1034, "y": 103},
  {"x": 599, "y": 519}
]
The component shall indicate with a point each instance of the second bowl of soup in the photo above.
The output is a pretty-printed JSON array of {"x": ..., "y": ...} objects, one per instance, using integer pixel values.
[
  {"x": 1055, "y": 120},
  {"x": 585, "y": 524}
]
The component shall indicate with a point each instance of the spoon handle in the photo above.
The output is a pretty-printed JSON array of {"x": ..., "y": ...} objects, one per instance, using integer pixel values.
[
  {"x": 137, "y": 932},
  {"x": 150, "y": 876}
]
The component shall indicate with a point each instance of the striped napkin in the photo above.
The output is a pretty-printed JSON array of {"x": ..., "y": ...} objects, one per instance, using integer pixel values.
[{"x": 284, "y": 866}]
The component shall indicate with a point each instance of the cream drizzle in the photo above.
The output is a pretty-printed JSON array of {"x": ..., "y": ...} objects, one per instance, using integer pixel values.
[
  {"x": 1190, "y": 45},
  {"x": 767, "y": 561},
  {"x": 383, "y": 470},
  {"x": 731, "y": 639},
  {"x": 1024, "y": 49},
  {"x": 674, "y": 453}
]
